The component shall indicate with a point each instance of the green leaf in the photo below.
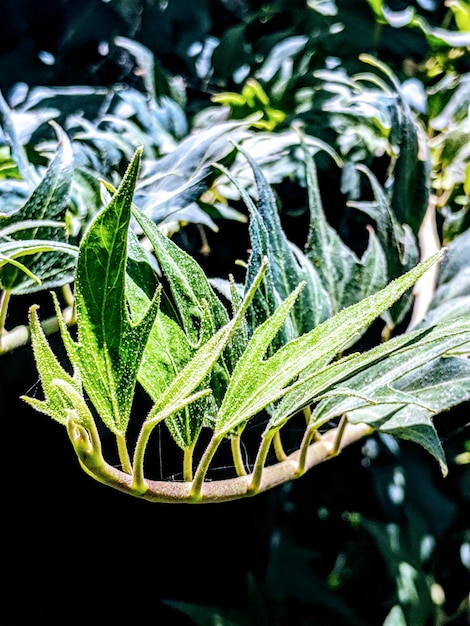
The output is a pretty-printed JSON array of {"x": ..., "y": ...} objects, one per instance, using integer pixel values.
[
  {"x": 256, "y": 383},
  {"x": 17, "y": 150},
  {"x": 46, "y": 206},
  {"x": 110, "y": 344},
  {"x": 288, "y": 266},
  {"x": 166, "y": 354},
  {"x": 346, "y": 279},
  {"x": 54, "y": 403},
  {"x": 315, "y": 382},
  {"x": 410, "y": 178},
  {"x": 401, "y": 394},
  {"x": 168, "y": 348},
  {"x": 398, "y": 244},
  {"x": 178, "y": 179},
  {"x": 200, "y": 311},
  {"x": 175, "y": 337},
  {"x": 195, "y": 372},
  {"x": 10, "y": 251},
  {"x": 230, "y": 54}
]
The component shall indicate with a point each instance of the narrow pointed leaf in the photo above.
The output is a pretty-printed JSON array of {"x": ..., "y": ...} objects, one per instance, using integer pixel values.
[
  {"x": 49, "y": 368},
  {"x": 250, "y": 390},
  {"x": 256, "y": 382},
  {"x": 288, "y": 266},
  {"x": 188, "y": 284},
  {"x": 178, "y": 178},
  {"x": 431, "y": 384},
  {"x": 17, "y": 150},
  {"x": 110, "y": 345},
  {"x": 412, "y": 171},
  {"x": 174, "y": 339},
  {"x": 317, "y": 382},
  {"x": 372, "y": 380},
  {"x": 398, "y": 243},
  {"x": 204, "y": 360},
  {"x": 167, "y": 350}
]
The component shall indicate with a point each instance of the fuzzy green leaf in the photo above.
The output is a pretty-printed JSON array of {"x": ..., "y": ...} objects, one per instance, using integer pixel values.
[
  {"x": 110, "y": 345},
  {"x": 407, "y": 388},
  {"x": 168, "y": 349},
  {"x": 189, "y": 286},
  {"x": 195, "y": 372},
  {"x": 288, "y": 266},
  {"x": 256, "y": 383},
  {"x": 175, "y": 337},
  {"x": 315, "y": 382},
  {"x": 54, "y": 403}
]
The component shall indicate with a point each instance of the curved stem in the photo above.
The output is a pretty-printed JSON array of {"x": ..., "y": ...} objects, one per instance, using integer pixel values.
[
  {"x": 223, "y": 490},
  {"x": 68, "y": 295},
  {"x": 307, "y": 411},
  {"x": 335, "y": 449},
  {"x": 203, "y": 466},
  {"x": 188, "y": 463},
  {"x": 260, "y": 461},
  {"x": 124, "y": 454},
  {"x": 139, "y": 483},
  {"x": 304, "y": 446},
  {"x": 278, "y": 449},
  {"x": 235, "y": 445}
]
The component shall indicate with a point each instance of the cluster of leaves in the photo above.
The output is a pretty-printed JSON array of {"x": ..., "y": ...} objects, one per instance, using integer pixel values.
[{"x": 280, "y": 353}]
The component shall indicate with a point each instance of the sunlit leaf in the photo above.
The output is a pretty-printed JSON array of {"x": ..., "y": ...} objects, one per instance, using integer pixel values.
[
  {"x": 257, "y": 381},
  {"x": 110, "y": 344}
]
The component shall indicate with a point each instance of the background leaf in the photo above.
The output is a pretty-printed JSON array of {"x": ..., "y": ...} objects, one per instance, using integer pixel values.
[
  {"x": 345, "y": 278},
  {"x": 47, "y": 204},
  {"x": 452, "y": 296},
  {"x": 288, "y": 266}
]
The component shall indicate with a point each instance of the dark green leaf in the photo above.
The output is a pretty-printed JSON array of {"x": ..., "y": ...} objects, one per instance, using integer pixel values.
[
  {"x": 452, "y": 296},
  {"x": 288, "y": 266},
  {"x": 346, "y": 279},
  {"x": 401, "y": 394},
  {"x": 47, "y": 204}
]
